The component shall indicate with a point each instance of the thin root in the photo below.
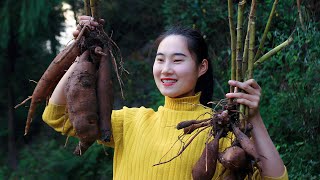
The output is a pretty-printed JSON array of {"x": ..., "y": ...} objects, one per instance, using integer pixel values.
[
  {"x": 183, "y": 148},
  {"x": 67, "y": 140},
  {"x": 33, "y": 81},
  {"x": 24, "y": 101},
  {"x": 105, "y": 151},
  {"x": 115, "y": 66}
]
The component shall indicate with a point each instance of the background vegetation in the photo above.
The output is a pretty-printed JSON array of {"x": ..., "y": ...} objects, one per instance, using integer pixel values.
[{"x": 290, "y": 80}]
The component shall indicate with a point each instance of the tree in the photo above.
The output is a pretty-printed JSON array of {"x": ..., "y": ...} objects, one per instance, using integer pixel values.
[{"x": 27, "y": 27}]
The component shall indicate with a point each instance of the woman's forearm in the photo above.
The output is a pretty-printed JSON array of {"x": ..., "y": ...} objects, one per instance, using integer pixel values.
[
  {"x": 58, "y": 96},
  {"x": 272, "y": 164}
]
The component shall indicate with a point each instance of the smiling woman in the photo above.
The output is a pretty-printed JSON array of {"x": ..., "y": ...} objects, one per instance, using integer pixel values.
[{"x": 141, "y": 137}]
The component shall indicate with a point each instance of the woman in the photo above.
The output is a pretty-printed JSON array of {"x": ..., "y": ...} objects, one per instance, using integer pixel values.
[{"x": 143, "y": 137}]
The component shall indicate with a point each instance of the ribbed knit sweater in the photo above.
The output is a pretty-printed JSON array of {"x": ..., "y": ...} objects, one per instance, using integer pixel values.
[{"x": 143, "y": 137}]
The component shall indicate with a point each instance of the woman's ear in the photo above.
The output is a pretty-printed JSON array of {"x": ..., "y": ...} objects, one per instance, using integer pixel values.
[{"x": 203, "y": 67}]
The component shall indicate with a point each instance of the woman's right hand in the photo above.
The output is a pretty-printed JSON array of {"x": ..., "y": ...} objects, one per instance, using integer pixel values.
[{"x": 89, "y": 22}]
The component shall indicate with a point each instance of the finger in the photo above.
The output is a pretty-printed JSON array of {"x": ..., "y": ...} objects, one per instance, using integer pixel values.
[
  {"x": 88, "y": 23},
  {"x": 246, "y": 102},
  {"x": 253, "y": 98},
  {"x": 254, "y": 84},
  {"x": 80, "y": 18},
  {"x": 93, "y": 23},
  {"x": 244, "y": 86},
  {"x": 78, "y": 27},
  {"x": 252, "y": 101},
  {"x": 75, "y": 33}
]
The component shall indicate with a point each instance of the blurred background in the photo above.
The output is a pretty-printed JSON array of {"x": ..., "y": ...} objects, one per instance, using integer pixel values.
[{"x": 32, "y": 32}]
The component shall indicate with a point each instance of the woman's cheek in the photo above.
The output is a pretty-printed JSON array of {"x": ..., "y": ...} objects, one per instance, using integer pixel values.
[{"x": 156, "y": 74}]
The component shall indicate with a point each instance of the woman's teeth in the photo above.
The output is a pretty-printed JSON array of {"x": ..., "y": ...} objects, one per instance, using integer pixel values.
[{"x": 169, "y": 81}]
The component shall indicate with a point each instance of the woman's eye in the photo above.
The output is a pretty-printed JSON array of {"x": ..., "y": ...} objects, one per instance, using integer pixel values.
[
  {"x": 177, "y": 60},
  {"x": 159, "y": 60}
]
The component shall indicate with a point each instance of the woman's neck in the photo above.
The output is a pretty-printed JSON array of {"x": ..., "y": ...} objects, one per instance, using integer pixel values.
[{"x": 189, "y": 103}]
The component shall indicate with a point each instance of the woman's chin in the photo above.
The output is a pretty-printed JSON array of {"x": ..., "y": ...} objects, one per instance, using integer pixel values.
[
  {"x": 175, "y": 94},
  {"x": 169, "y": 94}
]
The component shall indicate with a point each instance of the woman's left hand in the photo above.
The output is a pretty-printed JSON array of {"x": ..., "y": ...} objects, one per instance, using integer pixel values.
[
  {"x": 251, "y": 96},
  {"x": 272, "y": 164}
]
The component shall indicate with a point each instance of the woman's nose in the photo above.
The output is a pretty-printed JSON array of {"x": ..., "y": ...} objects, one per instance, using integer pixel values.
[{"x": 167, "y": 68}]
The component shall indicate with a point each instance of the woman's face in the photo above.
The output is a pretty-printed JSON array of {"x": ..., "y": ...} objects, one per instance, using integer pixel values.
[{"x": 175, "y": 70}]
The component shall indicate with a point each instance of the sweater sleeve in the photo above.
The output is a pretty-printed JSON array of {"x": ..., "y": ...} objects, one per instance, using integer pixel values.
[
  {"x": 284, "y": 176},
  {"x": 56, "y": 116},
  {"x": 256, "y": 176}
]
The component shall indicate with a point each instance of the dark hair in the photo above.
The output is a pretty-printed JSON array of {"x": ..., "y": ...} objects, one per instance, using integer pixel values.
[{"x": 198, "y": 47}]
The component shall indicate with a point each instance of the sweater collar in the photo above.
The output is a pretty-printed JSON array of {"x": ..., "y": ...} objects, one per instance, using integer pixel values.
[{"x": 189, "y": 103}]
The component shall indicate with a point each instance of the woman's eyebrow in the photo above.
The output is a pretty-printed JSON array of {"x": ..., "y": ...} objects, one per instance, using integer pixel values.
[
  {"x": 179, "y": 54},
  {"x": 174, "y": 54}
]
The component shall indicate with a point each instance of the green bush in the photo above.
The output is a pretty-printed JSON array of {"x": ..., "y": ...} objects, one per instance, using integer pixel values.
[
  {"x": 51, "y": 160},
  {"x": 290, "y": 102}
]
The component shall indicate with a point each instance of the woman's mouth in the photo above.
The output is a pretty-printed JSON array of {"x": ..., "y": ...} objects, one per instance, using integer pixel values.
[{"x": 168, "y": 81}]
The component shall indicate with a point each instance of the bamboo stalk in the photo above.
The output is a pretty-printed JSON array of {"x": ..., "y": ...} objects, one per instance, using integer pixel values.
[
  {"x": 244, "y": 109},
  {"x": 251, "y": 49},
  {"x": 245, "y": 55},
  {"x": 249, "y": 71},
  {"x": 87, "y": 8},
  {"x": 300, "y": 15},
  {"x": 266, "y": 30},
  {"x": 239, "y": 45},
  {"x": 246, "y": 45},
  {"x": 242, "y": 118},
  {"x": 233, "y": 42},
  {"x": 239, "y": 74},
  {"x": 94, "y": 9},
  {"x": 273, "y": 51}
]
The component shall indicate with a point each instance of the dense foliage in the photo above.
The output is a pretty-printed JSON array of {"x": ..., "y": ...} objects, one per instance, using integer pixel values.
[
  {"x": 291, "y": 102},
  {"x": 290, "y": 80}
]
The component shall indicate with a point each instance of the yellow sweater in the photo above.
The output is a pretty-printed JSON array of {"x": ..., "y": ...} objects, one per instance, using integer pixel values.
[{"x": 143, "y": 137}]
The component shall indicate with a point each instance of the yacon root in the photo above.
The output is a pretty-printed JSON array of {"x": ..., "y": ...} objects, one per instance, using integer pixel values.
[
  {"x": 105, "y": 94},
  {"x": 238, "y": 158},
  {"x": 81, "y": 102},
  {"x": 233, "y": 158},
  {"x": 52, "y": 76},
  {"x": 206, "y": 165}
]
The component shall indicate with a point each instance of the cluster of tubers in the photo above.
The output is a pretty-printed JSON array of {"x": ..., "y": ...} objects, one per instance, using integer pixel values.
[
  {"x": 89, "y": 90},
  {"x": 240, "y": 158}
]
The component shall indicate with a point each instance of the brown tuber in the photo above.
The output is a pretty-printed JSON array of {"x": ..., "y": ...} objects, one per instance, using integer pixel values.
[
  {"x": 52, "y": 76},
  {"x": 245, "y": 142},
  {"x": 105, "y": 94},
  {"x": 193, "y": 127},
  {"x": 233, "y": 158},
  {"x": 82, "y": 107},
  {"x": 50, "y": 79},
  {"x": 206, "y": 165}
]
